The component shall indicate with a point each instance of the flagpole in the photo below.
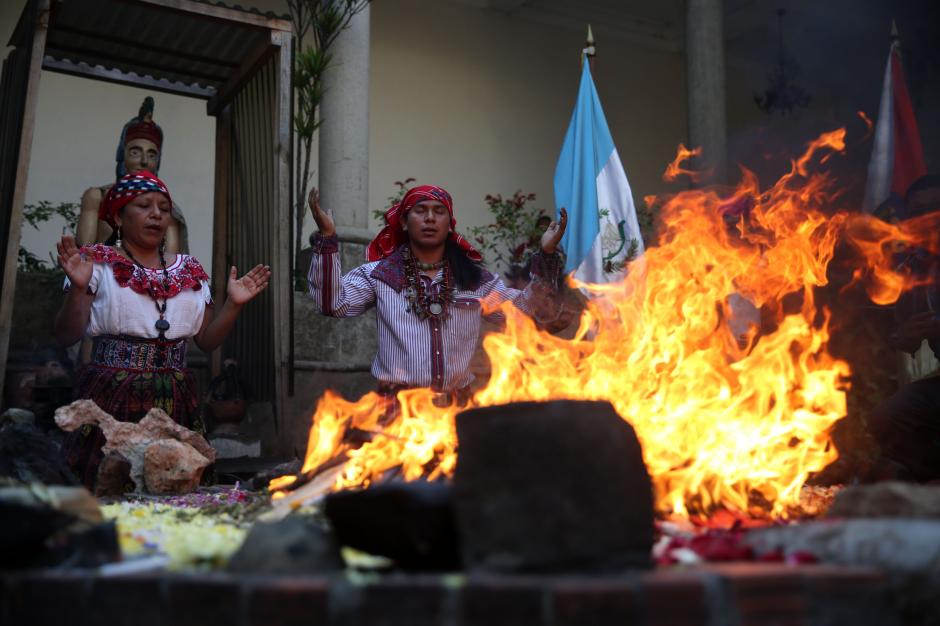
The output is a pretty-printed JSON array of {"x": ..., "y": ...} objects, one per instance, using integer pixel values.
[{"x": 589, "y": 50}]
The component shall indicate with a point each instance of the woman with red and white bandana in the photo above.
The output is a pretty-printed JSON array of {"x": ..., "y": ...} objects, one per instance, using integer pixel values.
[
  {"x": 428, "y": 285},
  {"x": 140, "y": 307}
]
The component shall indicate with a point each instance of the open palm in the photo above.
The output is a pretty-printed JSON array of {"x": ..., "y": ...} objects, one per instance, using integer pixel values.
[
  {"x": 324, "y": 220},
  {"x": 241, "y": 290},
  {"x": 75, "y": 265}
]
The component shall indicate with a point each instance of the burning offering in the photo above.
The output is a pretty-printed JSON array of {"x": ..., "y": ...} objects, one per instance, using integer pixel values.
[{"x": 727, "y": 421}]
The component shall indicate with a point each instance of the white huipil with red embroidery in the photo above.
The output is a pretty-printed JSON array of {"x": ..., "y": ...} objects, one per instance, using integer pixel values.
[{"x": 124, "y": 306}]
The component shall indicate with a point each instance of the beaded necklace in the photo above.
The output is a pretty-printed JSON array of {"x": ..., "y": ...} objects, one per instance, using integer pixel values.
[
  {"x": 421, "y": 303},
  {"x": 429, "y": 266},
  {"x": 161, "y": 324}
]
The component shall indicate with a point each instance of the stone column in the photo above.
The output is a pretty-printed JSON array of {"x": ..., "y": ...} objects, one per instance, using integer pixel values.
[
  {"x": 344, "y": 135},
  {"x": 705, "y": 73},
  {"x": 336, "y": 353}
]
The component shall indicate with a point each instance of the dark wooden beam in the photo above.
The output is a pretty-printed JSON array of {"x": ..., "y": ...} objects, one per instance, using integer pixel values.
[
  {"x": 221, "y": 13},
  {"x": 127, "y": 78},
  {"x": 39, "y": 13},
  {"x": 220, "y": 214},
  {"x": 249, "y": 67},
  {"x": 282, "y": 283}
]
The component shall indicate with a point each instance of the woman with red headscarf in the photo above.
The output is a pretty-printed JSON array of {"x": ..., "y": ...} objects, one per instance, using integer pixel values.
[
  {"x": 427, "y": 283},
  {"x": 140, "y": 308}
]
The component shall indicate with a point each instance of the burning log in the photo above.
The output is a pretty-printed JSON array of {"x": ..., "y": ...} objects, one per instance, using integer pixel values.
[{"x": 727, "y": 421}]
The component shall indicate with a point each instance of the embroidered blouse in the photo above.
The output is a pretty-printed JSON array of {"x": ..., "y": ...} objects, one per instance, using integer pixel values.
[
  {"x": 123, "y": 304},
  {"x": 416, "y": 352}
]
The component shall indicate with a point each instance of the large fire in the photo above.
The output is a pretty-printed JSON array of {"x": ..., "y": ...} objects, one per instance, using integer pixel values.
[{"x": 725, "y": 422}]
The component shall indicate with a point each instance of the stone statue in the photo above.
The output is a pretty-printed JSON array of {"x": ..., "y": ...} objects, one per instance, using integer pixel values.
[{"x": 139, "y": 148}]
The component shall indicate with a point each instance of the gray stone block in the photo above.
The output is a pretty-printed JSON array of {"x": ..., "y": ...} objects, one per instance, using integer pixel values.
[
  {"x": 555, "y": 486},
  {"x": 293, "y": 545},
  {"x": 889, "y": 499},
  {"x": 907, "y": 550}
]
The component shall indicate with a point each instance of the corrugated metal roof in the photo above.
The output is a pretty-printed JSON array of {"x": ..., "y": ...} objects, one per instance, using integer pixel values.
[
  {"x": 151, "y": 39},
  {"x": 238, "y": 7}
]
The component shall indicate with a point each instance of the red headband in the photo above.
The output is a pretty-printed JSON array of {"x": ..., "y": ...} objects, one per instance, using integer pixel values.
[
  {"x": 126, "y": 189},
  {"x": 393, "y": 236}
]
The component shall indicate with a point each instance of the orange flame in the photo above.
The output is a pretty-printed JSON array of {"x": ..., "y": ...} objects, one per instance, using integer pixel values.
[
  {"x": 869, "y": 126},
  {"x": 884, "y": 250},
  {"x": 722, "y": 426},
  {"x": 674, "y": 170}
]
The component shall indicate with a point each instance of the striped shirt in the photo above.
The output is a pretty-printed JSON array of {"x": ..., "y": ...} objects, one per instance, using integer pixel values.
[{"x": 418, "y": 352}]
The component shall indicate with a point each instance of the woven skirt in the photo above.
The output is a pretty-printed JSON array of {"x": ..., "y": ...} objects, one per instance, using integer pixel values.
[{"x": 128, "y": 376}]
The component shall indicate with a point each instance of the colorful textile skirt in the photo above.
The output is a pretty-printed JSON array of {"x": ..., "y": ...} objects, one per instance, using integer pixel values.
[{"x": 128, "y": 376}]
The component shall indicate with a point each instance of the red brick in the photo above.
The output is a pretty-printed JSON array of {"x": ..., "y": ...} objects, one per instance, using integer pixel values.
[
  {"x": 766, "y": 594},
  {"x": 846, "y": 578},
  {"x": 200, "y": 600},
  {"x": 596, "y": 601},
  {"x": 857, "y": 596},
  {"x": 288, "y": 602},
  {"x": 673, "y": 598},
  {"x": 131, "y": 600},
  {"x": 7, "y": 587},
  {"x": 416, "y": 601},
  {"x": 503, "y": 601},
  {"x": 51, "y": 598}
]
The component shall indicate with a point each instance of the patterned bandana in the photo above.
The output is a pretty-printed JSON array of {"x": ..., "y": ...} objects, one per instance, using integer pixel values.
[
  {"x": 392, "y": 236},
  {"x": 126, "y": 189}
]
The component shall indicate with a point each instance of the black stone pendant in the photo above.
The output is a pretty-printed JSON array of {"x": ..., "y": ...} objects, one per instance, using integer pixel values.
[{"x": 162, "y": 326}]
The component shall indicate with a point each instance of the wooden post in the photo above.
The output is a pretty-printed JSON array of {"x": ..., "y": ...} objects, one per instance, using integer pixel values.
[
  {"x": 223, "y": 168},
  {"x": 8, "y": 289},
  {"x": 282, "y": 283}
]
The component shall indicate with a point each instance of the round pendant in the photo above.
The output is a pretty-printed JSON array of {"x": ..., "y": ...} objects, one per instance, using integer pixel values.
[
  {"x": 436, "y": 308},
  {"x": 162, "y": 325}
]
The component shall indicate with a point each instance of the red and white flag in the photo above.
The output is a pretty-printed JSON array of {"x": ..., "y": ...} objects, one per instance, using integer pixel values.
[{"x": 897, "y": 157}]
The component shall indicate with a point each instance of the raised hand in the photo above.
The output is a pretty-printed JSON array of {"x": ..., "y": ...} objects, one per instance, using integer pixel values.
[
  {"x": 73, "y": 263},
  {"x": 554, "y": 232},
  {"x": 241, "y": 290},
  {"x": 324, "y": 221}
]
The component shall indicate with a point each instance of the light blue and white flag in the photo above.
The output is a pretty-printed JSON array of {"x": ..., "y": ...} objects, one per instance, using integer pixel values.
[{"x": 591, "y": 184}]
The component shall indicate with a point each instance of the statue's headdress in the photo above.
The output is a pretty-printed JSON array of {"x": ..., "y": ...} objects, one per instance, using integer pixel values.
[{"x": 140, "y": 127}]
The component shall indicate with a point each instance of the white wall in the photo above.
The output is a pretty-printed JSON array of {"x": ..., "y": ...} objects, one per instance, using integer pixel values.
[
  {"x": 78, "y": 124},
  {"x": 475, "y": 101},
  {"x": 479, "y": 103}
]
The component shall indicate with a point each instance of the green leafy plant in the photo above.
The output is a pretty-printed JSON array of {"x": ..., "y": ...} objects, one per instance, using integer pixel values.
[
  {"x": 647, "y": 214},
  {"x": 403, "y": 187},
  {"x": 40, "y": 213},
  {"x": 323, "y": 20},
  {"x": 514, "y": 232}
]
